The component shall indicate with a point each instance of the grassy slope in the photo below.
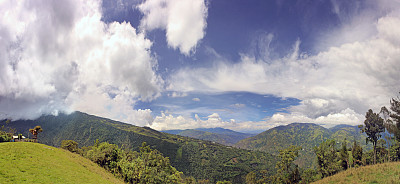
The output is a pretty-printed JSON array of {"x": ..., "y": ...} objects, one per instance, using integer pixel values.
[
  {"x": 25, "y": 162},
  {"x": 380, "y": 173}
]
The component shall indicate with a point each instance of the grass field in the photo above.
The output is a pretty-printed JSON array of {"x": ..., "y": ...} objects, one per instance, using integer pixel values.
[
  {"x": 25, "y": 162},
  {"x": 388, "y": 173}
]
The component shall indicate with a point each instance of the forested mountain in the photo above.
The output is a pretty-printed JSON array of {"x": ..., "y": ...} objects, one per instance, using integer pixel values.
[
  {"x": 198, "y": 158},
  {"x": 306, "y": 135},
  {"x": 219, "y": 135}
]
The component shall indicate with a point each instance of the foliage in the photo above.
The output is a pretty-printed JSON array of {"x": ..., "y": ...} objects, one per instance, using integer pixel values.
[
  {"x": 305, "y": 135},
  {"x": 309, "y": 175},
  {"x": 287, "y": 171},
  {"x": 201, "y": 159},
  {"x": 4, "y": 136},
  {"x": 70, "y": 145},
  {"x": 394, "y": 151},
  {"x": 373, "y": 127},
  {"x": 35, "y": 131},
  {"x": 251, "y": 178},
  {"x": 148, "y": 166},
  {"x": 25, "y": 162},
  {"x": 6, "y": 132},
  {"x": 395, "y": 115},
  {"x": 344, "y": 156},
  {"x": 224, "y": 182},
  {"x": 327, "y": 158},
  {"x": 357, "y": 154}
]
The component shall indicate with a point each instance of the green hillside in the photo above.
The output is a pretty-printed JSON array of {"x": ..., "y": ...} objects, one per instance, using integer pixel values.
[
  {"x": 306, "y": 135},
  {"x": 197, "y": 158},
  {"x": 25, "y": 162},
  {"x": 219, "y": 135},
  {"x": 381, "y": 173}
]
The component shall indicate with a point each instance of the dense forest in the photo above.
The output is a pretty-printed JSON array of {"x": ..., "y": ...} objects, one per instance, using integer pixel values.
[{"x": 305, "y": 135}]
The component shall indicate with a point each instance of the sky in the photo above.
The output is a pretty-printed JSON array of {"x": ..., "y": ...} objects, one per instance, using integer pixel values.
[{"x": 178, "y": 64}]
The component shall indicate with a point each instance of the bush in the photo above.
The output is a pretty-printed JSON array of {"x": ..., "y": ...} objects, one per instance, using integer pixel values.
[{"x": 70, "y": 145}]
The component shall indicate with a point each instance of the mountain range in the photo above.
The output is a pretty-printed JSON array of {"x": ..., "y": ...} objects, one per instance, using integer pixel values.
[
  {"x": 198, "y": 158},
  {"x": 219, "y": 135},
  {"x": 306, "y": 135}
]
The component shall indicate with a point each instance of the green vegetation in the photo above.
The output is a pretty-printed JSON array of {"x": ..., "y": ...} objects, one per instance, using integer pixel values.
[
  {"x": 305, "y": 135},
  {"x": 201, "y": 159},
  {"x": 147, "y": 166},
  {"x": 35, "y": 131},
  {"x": 6, "y": 132},
  {"x": 380, "y": 173},
  {"x": 373, "y": 127},
  {"x": 24, "y": 162}
]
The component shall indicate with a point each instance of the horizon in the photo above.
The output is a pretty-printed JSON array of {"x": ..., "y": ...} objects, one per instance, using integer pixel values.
[{"x": 238, "y": 65}]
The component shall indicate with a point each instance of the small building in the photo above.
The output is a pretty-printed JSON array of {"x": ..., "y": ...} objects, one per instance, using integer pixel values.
[{"x": 16, "y": 138}]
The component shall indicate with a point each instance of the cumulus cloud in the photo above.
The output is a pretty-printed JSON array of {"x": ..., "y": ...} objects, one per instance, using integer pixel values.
[
  {"x": 168, "y": 122},
  {"x": 335, "y": 86},
  {"x": 59, "y": 56},
  {"x": 184, "y": 21}
]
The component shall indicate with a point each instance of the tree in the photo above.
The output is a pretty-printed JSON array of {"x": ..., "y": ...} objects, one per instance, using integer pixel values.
[
  {"x": 395, "y": 115},
  {"x": 35, "y": 131},
  {"x": 357, "y": 153},
  {"x": 70, "y": 145},
  {"x": 149, "y": 166},
  {"x": 344, "y": 156},
  {"x": 390, "y": 127},
  {"x": 251, "y": 178},
  {"x": 327, "y": 158},
  {"x": 373, "y": 127},
  {"x": 287, "y": 171}
]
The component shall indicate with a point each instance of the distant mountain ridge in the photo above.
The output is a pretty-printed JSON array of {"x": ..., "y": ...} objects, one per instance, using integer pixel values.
[
  {"x": 306, "y": 135},
  {"x": 198, "y": 158},
  {"x": 219, "y": 135}
]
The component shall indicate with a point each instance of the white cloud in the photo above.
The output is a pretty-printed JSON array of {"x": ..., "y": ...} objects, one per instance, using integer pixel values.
[
  {"x": 170, "y": 122},
  {"x": 184, "y": 21},
  {"x": 59, "y": 56},
  {"x": 336, "y": 86},
  {"x": 177, "y": 94},
  {"x": 196, "y": 99},
  {"x": 238, "y": 105}
]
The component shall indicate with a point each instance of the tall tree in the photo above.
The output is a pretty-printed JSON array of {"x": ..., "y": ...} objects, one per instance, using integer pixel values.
[
  {"x": 35, "y": 131},
  {"x": 344, "y": 156},
  {"x": 357, "y": 153},
  {"x": 390, "y": 127},
  {"x": 373, "y": 127},
  {"x": 395, "y": 115},
  {"x": 287, "y": 171},
  {"x": 327, "y": 158}
]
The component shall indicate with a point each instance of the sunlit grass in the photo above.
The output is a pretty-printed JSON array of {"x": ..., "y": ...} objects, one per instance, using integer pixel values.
[
  {"x": 25, "y": 162},
  {"x": 388, "y": 173}
]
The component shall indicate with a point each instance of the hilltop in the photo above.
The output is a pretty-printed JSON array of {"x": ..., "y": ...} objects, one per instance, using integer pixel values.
[
  {"x": 198, "y": 158},
  {"x": 306, "y": 135},
  {"x": 219, "y": 135},
  {"x": 25, "y": 162}
]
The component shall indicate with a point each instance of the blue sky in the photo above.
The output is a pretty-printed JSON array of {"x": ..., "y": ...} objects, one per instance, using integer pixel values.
[{"x": 177, "y": 64}]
